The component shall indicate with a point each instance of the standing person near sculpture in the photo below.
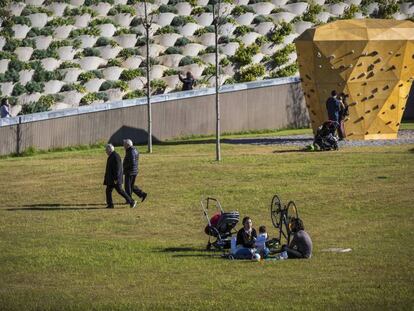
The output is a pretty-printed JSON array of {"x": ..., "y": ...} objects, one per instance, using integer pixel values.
[
  {"x": 343, "y": 112},
  {"x": 5, "y": 108},
  {"x": 333, "y": 105},
  {"x": 188, "y": 81},
  {"x": 131, "y": 170},
  {"x": 113, "y": 177}
]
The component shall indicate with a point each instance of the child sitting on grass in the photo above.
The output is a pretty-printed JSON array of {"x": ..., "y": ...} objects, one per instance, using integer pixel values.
[{"x": 261, "y": 242}]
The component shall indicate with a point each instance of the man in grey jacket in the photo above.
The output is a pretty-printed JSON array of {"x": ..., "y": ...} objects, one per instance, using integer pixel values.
[{"x": 131, "y": 170}]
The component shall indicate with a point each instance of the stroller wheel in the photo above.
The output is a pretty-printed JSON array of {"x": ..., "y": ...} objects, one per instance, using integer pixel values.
[{"x": 231, "y": 257}]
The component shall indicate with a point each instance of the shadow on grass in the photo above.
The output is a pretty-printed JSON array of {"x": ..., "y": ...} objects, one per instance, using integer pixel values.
[
  {"x": 182, "y": 249},
  {"x": 243, "y": 141},
  {"x": 290, "y": 151},
  {"x": 56, "y": 207}
]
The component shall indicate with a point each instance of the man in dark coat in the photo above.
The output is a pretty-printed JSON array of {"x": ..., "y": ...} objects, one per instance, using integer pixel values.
[
  {"x": 113, "y": 177},
  {"x": 188, "y": 81},
  {"x": 131, "y": 170},
  {"x": 333, "y": 105}
]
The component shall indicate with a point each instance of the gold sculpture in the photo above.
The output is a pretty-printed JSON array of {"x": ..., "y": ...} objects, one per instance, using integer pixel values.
[{"x": 371, "y": 60}]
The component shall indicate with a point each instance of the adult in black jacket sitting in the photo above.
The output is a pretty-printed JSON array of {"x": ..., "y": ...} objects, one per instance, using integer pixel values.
[
  {"x": 113, "y": 177},
  {"x": 131, "y": 170},
  {"x": 246, "y": 238}
]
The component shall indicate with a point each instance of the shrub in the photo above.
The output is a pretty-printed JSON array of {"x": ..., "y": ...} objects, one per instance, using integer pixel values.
[
  {"x": 282, "y": 56},
  {"x": 16, "y": 64},
  {"x": 182, "y": 20},
  {"x": 170, "y": 72},
  {"x": 114, "y": 85},
  {"x": 45, "y": 31},
  {"x": 201, "y": 31},
  {"x": 209, "y": 71},
  {"x": 244, "y": 54},
  {"x": 172, "y": 50},
  {"x": 279, "y": 32},
  {"x": 251, "y": 73},
  {"x": 102, "y": 21},
  {"x": 11, "y": 45},
  {"x": 89, "y": 75},
  {"x": 153, "y": 62},
  {"x": 92, "y": 97},
  {"x": 103, "y": 41},
  {"x": 114, "y": 63},
  {"x": 167, "y": 9},
  {"x": 68, "y": 64},
  {"x": 128, "y": 52},
  {"x": 73, "y": 87},
  {"x": 242, "y": 30},
  {"x": 91, "y": 31},
  {"x": 142, "y": 41},
  {"x": 261, "y": 19},
  {"x": 128, "y": 75},
  {"x": 22, "y": 20},
  {"x": 11, "y": 76},
  {"x": 18, "y": 89},
  {"x": 34, "y": 87},
  {"x": 41, "y": 75},
  {"x": 287, "y": 71},
  {"x": 123, "y": 31},
  {"x": 91, "y": 52},
  {"x": 261, "y": 40},
  {"x": 158, "y": 86},
  {"x": 61, "y": 21},
  {"x": 96, "y": 2},
  {"x": 224, "y": 62},
  {"x": 312, "y": 11},
  {"x": 41, "y": 105},
  {"x": 41, "y": 54},
  {"x": 134, "y": 94},
  {"x": 182, "y": 41},
  {"x": 79, "y": 11},
  {"x": 6, "y": 55},
  {"x": 187, "y": 60},
  {"x": 30, "y": 9},
  {"x": 58, "y": 44},
  {"x": 122, "y": 9},
  {"x": 165, "y": 30},
  {"x": 350, "y": 12},
  {"x": 241, "y": 9}
]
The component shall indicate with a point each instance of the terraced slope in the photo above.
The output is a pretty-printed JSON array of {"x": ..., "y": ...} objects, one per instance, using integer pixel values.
[{"x": 60, "y": 54}]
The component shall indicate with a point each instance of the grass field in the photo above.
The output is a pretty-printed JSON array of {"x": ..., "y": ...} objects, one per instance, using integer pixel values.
[{"x": 60, "y": 249}]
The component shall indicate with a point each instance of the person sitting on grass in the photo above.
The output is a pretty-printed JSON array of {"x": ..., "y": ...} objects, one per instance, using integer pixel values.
[
  {"x": 261, "y": 242},
  {"x": 301, "y": 245},
  {"x": 246, "y": 238}
]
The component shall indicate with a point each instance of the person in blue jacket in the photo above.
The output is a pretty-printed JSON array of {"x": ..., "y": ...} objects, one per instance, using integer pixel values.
[
  {"x": 131, "y": 170},
  {"x": 333, "y": 106}
]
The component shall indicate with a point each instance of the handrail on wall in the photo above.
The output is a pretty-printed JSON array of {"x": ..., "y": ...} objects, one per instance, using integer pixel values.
[{"x": 143, "y": 101}]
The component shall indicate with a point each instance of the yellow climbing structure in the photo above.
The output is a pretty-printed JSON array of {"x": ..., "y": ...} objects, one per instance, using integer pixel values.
[{"x": 371, "y": 60}]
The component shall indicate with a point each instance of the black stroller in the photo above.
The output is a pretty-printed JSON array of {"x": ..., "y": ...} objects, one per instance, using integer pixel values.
[
  {"x": 325, "y": 138},
  {"x": 221, "y": 225}
]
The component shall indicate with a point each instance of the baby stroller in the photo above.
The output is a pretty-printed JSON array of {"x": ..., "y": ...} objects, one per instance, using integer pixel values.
[
  {"x": 221, "y": 225},
  {"x": 325, "y": 138}
]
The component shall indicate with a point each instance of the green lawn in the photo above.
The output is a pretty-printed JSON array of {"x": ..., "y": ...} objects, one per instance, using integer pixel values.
[{"x": 60, "y": 249}]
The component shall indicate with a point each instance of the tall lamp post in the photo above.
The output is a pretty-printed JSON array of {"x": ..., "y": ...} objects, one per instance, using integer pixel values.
[
  {"x": 147, "y": 26},
  {"x": 216, "y": 18}
]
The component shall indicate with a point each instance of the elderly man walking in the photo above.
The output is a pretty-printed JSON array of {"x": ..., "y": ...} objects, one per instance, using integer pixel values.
[
  {"x": 131, "y": 170},
  {"x": 113, "y": 177}
]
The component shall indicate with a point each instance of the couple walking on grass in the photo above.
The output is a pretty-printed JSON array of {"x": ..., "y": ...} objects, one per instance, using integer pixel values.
[{"x": 114, "y": 171}]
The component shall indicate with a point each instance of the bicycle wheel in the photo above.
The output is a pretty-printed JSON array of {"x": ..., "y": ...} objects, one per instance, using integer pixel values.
[
  {"x": 291, "y": 212},
  {"x": 275, "y": 209}
]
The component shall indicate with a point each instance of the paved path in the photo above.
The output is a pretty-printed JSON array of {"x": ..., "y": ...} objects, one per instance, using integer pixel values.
[{"x": 404, "y": 137}]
